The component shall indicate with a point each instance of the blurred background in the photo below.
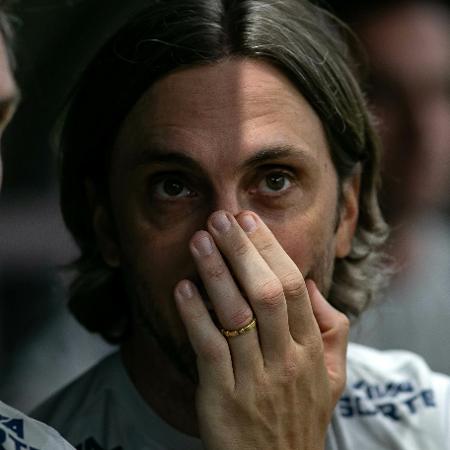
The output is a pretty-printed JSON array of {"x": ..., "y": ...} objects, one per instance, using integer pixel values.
[
  {"x": 407, "y": 49},
  {"x": 41, "y": 346},
  {"x": 407, "y": 46}
]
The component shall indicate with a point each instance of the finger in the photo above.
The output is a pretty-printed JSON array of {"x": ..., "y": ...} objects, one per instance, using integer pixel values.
[
  {"x": 262, "y": 288},
  {"x": 329, "y": 319},
  {"x": 300, "y": 315},
  {"x": 213, "y": 355},
  {"x": 334, "y": 327},
  {"x": 232, "y": 310}
]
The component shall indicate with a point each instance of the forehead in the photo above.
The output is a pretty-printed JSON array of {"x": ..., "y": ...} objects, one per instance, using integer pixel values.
[{"x": 235, "y": 107}]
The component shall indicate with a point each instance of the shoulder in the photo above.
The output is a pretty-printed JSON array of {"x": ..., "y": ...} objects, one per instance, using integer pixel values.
[
  {"x": 395, "y": 376},
  {"x": 18, "y": 431},
  {"x": 82, "y": 399},
  {"x": 392, "y": 397},
  {"x": 379, "y": 364},
  {"x": 102, "y": 410}
]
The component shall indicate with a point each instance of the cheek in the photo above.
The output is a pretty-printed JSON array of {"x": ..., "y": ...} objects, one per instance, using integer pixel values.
[
  {"x": 303, "y": 243},
  {"x": 150, "y": 239},
  {"x": 154, "y": 250},
  {"x": 147, "y": 248},
  {"x": 159, "y": 256},
  {"x": 295, "y": 246},
  {"x": 308, "y": 237}
]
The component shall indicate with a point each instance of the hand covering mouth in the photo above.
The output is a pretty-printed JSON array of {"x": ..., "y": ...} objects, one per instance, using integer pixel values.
[{"x": 206, "y": 300}]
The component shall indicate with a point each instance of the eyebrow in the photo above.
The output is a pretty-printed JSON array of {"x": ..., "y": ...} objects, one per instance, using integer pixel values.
[
  {"x": 160, "y": 155},
  {"x": 277, "y": 152}
]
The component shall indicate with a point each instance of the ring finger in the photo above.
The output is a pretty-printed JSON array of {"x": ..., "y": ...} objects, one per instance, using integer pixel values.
[{"x": 231, "y": 308}]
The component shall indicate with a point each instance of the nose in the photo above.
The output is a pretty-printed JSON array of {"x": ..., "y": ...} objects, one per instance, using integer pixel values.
[{"x": 228, "y": 200}]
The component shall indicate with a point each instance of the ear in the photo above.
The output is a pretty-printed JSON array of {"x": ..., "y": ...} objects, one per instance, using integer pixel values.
[
  {"x": 103, "y": 227},
  {"x": 348, "y": 215}
]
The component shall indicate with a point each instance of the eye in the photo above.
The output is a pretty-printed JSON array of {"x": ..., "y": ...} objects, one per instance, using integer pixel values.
[
  {"x": 171, "y": 187},
  {"x": 275, "y": 182}
]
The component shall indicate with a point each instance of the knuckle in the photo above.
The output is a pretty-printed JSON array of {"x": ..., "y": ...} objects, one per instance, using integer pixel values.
[
  {"x": 196, "y": 316},
  {"x": 216, "y": 272},
  {"x": 290, "y": 370},
  {"x": 342, "y": 324},
  {"x": 241, "y": 248},
  {"x": 212, "y": 351},
  {"x": 293, "y": 284},
  {"x": 266, "y": 247},
  {"x": 269, "y": 294},
  {"x": 240, "y": 318}
]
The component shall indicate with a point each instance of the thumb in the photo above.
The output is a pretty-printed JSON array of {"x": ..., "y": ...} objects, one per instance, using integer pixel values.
[
  {"x": 334, "y": 327},
  {"x": 327, "y": 317}
]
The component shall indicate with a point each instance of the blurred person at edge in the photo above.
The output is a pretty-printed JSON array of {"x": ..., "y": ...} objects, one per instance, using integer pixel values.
[
  {"x": 408, "y": 46},
  {"x": 219, "y": 173},
  {"x": 17, "y": 431}
]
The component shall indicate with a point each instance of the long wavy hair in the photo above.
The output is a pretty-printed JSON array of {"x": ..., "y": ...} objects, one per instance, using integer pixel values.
[{"x": 303, "y": 41}]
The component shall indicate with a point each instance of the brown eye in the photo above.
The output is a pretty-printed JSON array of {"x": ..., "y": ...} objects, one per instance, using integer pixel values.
[
  {"x": 275, "y": 183},
  {"x": 172, "y": 188}
]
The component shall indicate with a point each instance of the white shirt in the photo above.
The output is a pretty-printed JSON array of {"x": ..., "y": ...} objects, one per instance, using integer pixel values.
[
  {"x": 19, "y": 432},
  {"x": 392, "y": 401}
]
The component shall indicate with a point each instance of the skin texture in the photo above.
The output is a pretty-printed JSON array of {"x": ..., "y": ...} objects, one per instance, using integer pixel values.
[
  {"x": 8, "y": 94},
  {"x": 271, "y": 388},
  {"x": 234, "y": 141},
  {"x": 409, "y": 50}
]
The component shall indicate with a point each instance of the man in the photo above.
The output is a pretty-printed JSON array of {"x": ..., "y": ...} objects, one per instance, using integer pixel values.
[
  {"x": 408, "y": 45},
  {"x": 219, "y": 174},
  {"x": 17, "y": 431}
]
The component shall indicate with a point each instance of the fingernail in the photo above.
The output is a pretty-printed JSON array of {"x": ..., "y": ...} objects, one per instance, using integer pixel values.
[
  {"x": 203, "y": 245},
  {"x": 247, "y": 222},
  {"x": 184, "y": 290},
  {"x": 220, "y": 222}
]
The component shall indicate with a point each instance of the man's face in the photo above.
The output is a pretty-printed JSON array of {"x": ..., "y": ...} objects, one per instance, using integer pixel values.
[
  {"x": 8, "y": 95},
  {"x": 236, "y": 136},
  {"x": 409, "y": 50}
]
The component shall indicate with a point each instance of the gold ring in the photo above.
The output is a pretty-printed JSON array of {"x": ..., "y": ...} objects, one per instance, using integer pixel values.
[{"x": 238, "y": 332}]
